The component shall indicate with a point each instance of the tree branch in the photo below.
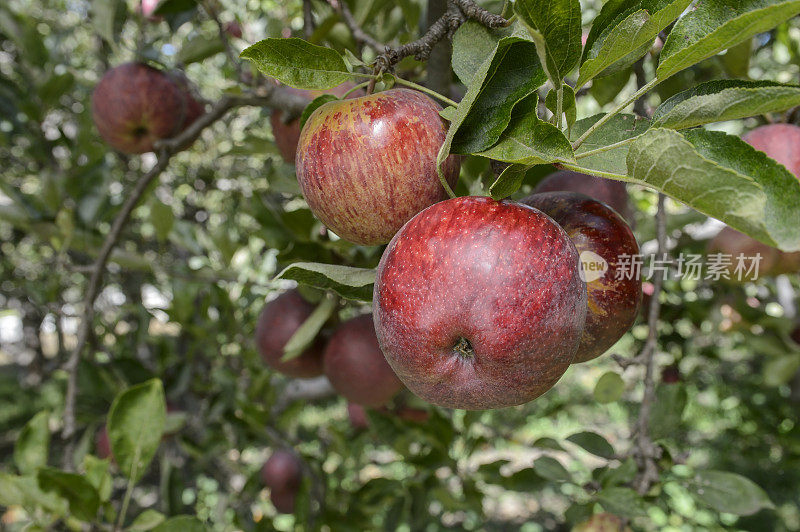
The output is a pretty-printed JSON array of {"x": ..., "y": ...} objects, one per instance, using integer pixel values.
[
  {"x": 308, "y": 19},
  {"x": 458, "y": 12},
  {"x": 211, "y": 11},
  {"x": 274, "y": 97},
  {"x": 644, "y": 451}
]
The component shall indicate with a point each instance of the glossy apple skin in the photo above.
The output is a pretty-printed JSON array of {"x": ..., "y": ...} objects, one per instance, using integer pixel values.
[
  {"x": 499, "y": 275},
  {"x": 596, "y": 228},
  {"x": 612, "y": 193},
  {"x": 367, "y": 165},
  {"x": 135, "y": 105},
  {"x": 282, "y": 473},
  {"x": 287, "y": 134},
  {"x": 356, "y": 367},
  {"x": 779, "y": 141},
  {"x": 278, "y": 321}
]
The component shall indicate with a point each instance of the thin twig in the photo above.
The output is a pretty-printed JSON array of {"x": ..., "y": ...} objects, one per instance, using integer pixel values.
[
  {"x": 645, "y": 452},
  {"x": 209, "y": 8},
  {"x": 275, "y": 97},
  {"x": 308, "y": 19},
  {"x": 361, "y": 36}
]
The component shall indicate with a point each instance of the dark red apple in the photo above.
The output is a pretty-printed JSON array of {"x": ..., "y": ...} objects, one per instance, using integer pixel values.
[
  {"x": 102, "y": 445},
  {"x": 194, "y": 109},
  {"x": 356, "y": 367},
  {"x": 602, "y": 239},
  {"x": 779, "y": 141},
  {"x": 282, "y": 473},
  {"x": 479, "y": 304},
  {"x": 731, "y": 244},
  {"x": 367, "y": 165},
  {"x": 608, "y": 191},
  {"x": 287, "y": 134},
  {"x": 278, "y": 321},
  {"x": 135, "y": 105},
  {"x": 671, "y": 374},
  {"x": 357, "y": 415},
  {"x": 233, "y": 29},
  {"x": 795, "y": 334}
]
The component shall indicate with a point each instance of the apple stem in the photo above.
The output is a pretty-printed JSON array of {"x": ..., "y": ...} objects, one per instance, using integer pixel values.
[
  {"x": 426, "y": 90},
  {"x": 464, "y": 349},
  {"x": 357, "y": 87}
]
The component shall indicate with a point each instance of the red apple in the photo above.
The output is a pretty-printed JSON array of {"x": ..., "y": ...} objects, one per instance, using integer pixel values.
[
  {"x": 608, "y": 191},
  {"x": 282, "y": 473},
  {"x": 147, "y": 8},
  {"x": 602, "y": 238},
  {"x": 357, "y": 415},
  {"x": 479, "y": 304},
  {"x": 731, "y": 243},
  {"x": 795, "y": 334},
  {"x": 233, "y": 29},
  {"x": 278, "y": 321},
  {"x": 671, "y": 374},
  {"x": 287, "y": 134},
  {"x": 367, "y": 165},
  {"x": 604, "y": 522},
  {"x": 135, "y": 105},
  {"x": 779, "y": 141},
  {"x": 102, "y": 445},
  {"x": 355, "y": 365}
]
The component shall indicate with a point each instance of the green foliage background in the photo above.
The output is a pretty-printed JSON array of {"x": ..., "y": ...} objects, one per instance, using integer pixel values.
[{"x": 196, "y": 263}]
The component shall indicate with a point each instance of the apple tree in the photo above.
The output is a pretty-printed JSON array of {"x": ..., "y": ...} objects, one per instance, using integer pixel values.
[{"x": 418, "y": 265}]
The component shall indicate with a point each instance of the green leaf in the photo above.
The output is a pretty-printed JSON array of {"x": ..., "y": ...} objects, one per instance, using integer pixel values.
[
  {"x": 147, "y": 520},
  {"x": 717, "y": 25},
  {"x": 609, "y": 388},
  {"x": 508, "y": 181},
  {"x": 624, "y": 502},
  {"x": 736, "y": 60},
  {"x": 604, "y": 90},
  {"x": 173, "y": 7},
  {"x": 623, "y": 32},
  {"x": 348, "y": 282},
  {"x": 529, "y": 140},
  {"x": 555, "y": 26},
  {"x": 728, "y": 492},
  {"x": 716, "y": 101},
  {"x": 181, "y": 523},
  {"x": 315, "y": 103},
  {"x": 98, "y": 476},
  {"x": 512, "y": 74},
  {"x": 103, "y": 15},
  {"x": 781, "y": 370},
  {"x": 81, "y": 496},
  {"x": 449, "y": 113},
  {"x": 473, "y": 43},
  {"x": 199, "y": 48},
  {"x": 25, "y": 492},
  {"x": 620, "y": 127},
  {"x": 33, "y": 442},
  {"x": 298, "y": 63},
  {"x": 567, "y": 105},
  {"x": 305, "y": 335},
  {"x": 551, "y": 469},
  {"x": 162, "y": 218},
  {"x": 623, "y": 474},
  {"x": 721, "y": 176},
  {"x": 135, "y": 425},
  {"x": 593, "y": 443},
  {"x": 668, "y": 406}
]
